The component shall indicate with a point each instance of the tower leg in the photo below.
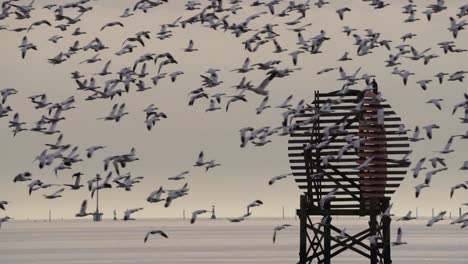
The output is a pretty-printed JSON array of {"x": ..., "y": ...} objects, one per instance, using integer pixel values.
[
  {"x": 327, "y": 238},
  {"x": 303, "y": 230},
  {"x": 386, "y": 222},
  {"x": 373, "y": 232}
]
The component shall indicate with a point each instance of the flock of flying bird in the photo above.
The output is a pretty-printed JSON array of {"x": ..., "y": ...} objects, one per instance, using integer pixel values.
[{"x": 150, "y": 68}]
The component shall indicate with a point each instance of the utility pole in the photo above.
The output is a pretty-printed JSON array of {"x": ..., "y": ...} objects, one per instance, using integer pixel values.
[
  {"x": 50, "y": 215},
  {"x": 416, "y": 212},
  {"x": 459, "y": 212},
  {"x": 183, "y": 215},
  {"x": 283, "y": 212},
  {"x": 432, "y": 212}
]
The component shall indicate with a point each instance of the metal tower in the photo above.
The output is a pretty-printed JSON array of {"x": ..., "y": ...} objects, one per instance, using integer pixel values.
[{"x": 360, "y": 189}]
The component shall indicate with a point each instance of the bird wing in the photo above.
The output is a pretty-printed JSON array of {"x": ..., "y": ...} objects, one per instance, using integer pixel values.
[
  {"x": 83, "y": 207},
  {"x": 57, "y": 192}
]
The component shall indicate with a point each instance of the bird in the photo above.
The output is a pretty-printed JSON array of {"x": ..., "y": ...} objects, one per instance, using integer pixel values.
[
  {"x": 127, "y": 13},
  {"x": 200, "y": 160},
  {"x": 175, "y": 74},
  {"x": 418, "y": 167},
  {"x": 235, "y": 98},
  {"x": 415, "y": 137},
  {"x": 105, "y": 71},
  {"x": 342, "y": 234},
  {"x": 285, "y": 103},
  {"x": 407, "y": 217},
  {"x": 436, "y": 160},
  {"x": 116, "y": 113},
  {"x": 419, "y": 188},
  {"x": 431, "y": 173},
  {"x": 398, "y": 241},
  {"x": 212, "y": 107},
  {"x": 261, "y": 89},
  {"x": 295, "y": 56},
  {"x": 155, "y": 232},
  {"x": 436, "y": 102},
  {"x": 460, "y": 219},
  {"x": 279, "y": 177},
  {"x": 440, "y": 76},
  {"x": 278, "y": 228},
  {"x": 82, "y": 212},
  {"x": 348, "y": 30},
  {"x": 4, "y": 219},
  {"x": 429, "y": 129},
  {"x": 90, "y": 151},
  {"x": 129, "y": 212},
  {"x": 112, "y": 24},
  {"x": 76, "y": 185},
  {"x": 253, "y": 204},
  {"x": 458, "y": 186},
  {"x": 278, "y": 48},
  {"x": 341, "y": 12},
  {"x": 327, "y": 198},
  {"x": 55, "y": 194},
  {"x": 38, "y": 23},
  {"x": 25, "y": 46},
  {"x": 262, "y": 106},
  {"x": 447, "y": 148},
  {"x": 24, "y": 176},
  {"x": 211, "y": 164},
  {"x": 195, "y": 214},
  {"x": 190, "y": 47},
  {"x": 2, "y": 205},
  {"x": 179, "y": 176},
  {"x": 436, "y": 219},
  {"x": 344, "y": 57},
  {"x": 155, "y": 196},
  {"x": 245, "y": 67},
  {"x": 464, "y": 166}
]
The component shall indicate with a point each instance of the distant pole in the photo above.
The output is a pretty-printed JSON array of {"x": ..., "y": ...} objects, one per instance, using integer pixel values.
[
  {"x": 450, "y": 215},
  {"x": 283, "y": 212},
  {"x": 432, "y": 212},
  {"x": 459, "y": 212},
  {"x": 97, "y": 215},
  {"x": 416, "y": 212},
  {"x": 183, "y": 214},
  {"x": 50, "y": 215},
  {"x": 97, "y": 196},
  {"x": 115, "y": 215}
]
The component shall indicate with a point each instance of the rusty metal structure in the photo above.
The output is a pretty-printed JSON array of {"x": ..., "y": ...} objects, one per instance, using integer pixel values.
[{"x": 348, "y": 155}]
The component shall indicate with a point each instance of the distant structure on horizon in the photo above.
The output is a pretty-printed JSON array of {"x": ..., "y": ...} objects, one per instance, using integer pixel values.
[
  {"x": 213, "y": 215},
  {"x": 97, "y": 216}
]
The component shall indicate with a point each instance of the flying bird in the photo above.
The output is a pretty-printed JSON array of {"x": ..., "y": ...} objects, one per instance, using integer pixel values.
[
  {"x": 155, "y": 232},
  {"x": 276, "y": 229}
]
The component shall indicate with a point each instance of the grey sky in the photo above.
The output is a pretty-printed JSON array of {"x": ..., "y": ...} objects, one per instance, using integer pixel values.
[{"x": 173, "y": 145}]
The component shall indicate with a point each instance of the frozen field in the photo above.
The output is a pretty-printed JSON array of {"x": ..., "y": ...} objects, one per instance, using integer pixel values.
[{"x": 205, "y": 242}]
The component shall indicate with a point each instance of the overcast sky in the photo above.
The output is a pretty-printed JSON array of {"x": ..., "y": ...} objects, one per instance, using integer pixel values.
[{"x": 173, "y": 145}]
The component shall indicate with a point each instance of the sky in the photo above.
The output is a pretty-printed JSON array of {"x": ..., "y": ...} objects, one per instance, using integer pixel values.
[{"x": 173, "y": 145}]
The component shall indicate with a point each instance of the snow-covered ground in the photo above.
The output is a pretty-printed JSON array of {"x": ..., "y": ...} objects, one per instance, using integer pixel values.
[{"x": 206, "y": 241}]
